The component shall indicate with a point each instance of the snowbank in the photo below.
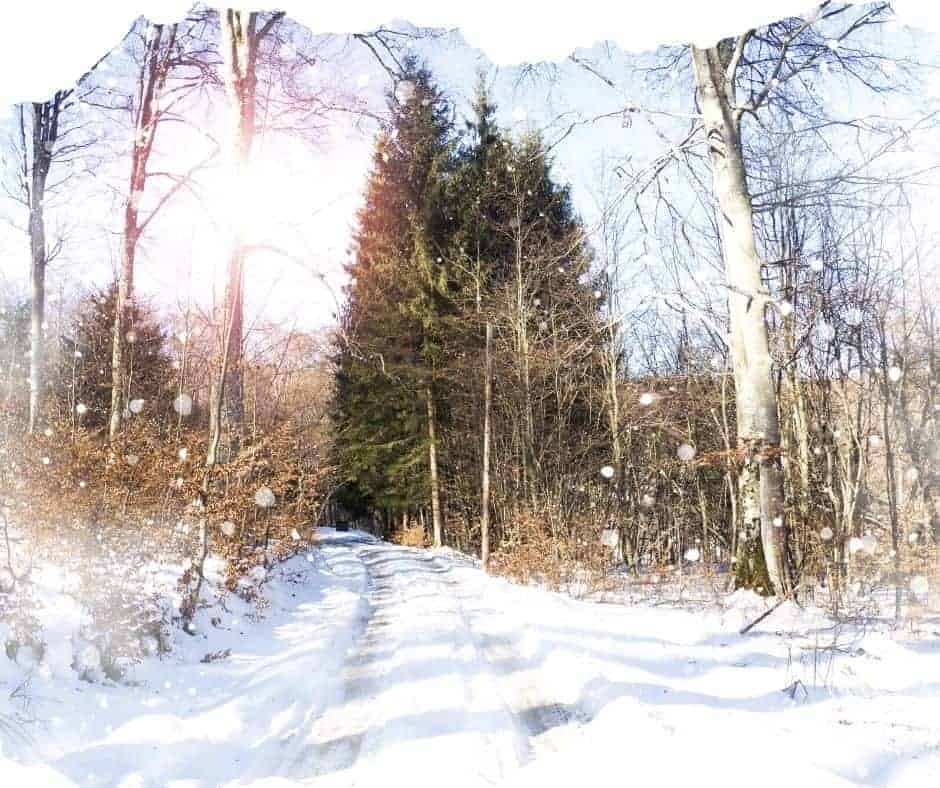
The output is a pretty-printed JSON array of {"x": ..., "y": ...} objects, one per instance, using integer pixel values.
[{"x": 380, "y": 664}]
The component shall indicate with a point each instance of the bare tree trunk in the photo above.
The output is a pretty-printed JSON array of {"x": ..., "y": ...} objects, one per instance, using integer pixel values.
[
  {"x": 522, "y": 360},
  {"x": 887, "y": 403},
  {"x": 45, "y": 127},
  {"x": 231, "y": 382},
  {"x": 153, "y": 75},
  {"x": 487, "y": 426},
  {"x": 435, "y": 485},
  {"x": 241, "y": 37},
  {"x": 757, "y": 417},
  {"x": 37, "y": 315},
  {"x": 122, "y": 321}
]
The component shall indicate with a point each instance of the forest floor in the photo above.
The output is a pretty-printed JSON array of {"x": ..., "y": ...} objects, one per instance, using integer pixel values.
[{"x": 375, "y": 664}]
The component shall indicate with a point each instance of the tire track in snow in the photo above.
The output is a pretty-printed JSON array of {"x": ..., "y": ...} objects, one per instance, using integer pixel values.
[
  {"x": 337, "y": 735},
  {"x": 502, "y": 713},
  {"x": 535, "y": 706}
]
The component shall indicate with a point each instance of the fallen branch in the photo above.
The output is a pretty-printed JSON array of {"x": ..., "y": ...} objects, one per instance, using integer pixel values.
[{"x": 760, "y": 618}]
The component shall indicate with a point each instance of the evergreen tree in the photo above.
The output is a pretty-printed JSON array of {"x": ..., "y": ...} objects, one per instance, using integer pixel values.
[
  {"x": 525, "y": 270},
  {"x": 451, "y": 239},
  {"x": 84, "y": 374},
  {"x": 398, "y": 295}
]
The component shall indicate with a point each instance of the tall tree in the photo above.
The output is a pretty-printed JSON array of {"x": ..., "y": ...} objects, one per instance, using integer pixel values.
[
  {"x": 397, "y": 307},
  {"x": 772, "y": 74},
  {"x": 49, "y": 132},
  {"x": 44, "y": 135},
  {"x": 242, "y": 35},
  {"x": 521, "y": 262},
  {"x": 164, "y": 50},
  {"x": 758, "y": 425},
  {"x": 735, "y": 79}
]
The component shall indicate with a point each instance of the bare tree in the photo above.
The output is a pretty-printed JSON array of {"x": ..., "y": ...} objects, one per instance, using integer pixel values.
[
  {"x": 765, "y": 74},
  {"x": 165, "y": 49},
  {"x": 43, "y": 137},
  {"x": 487, "y": 429},
  {"x": 242, "y": 34}
]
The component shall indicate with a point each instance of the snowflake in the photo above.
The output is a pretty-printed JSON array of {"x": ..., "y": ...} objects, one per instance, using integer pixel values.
[
  {"x": 825, "y": 333},
  {"x": 854, "y": 316},
  {"x": 920, "y": 585},
  {"x": 265, "y": 498},
  {"x": 183, "y": 405}
]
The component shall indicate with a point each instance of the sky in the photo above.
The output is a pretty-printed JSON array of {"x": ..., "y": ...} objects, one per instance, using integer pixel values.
[{"x": 304, "y": 194}]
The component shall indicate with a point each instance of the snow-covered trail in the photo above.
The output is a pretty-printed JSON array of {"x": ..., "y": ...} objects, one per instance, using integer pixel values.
[
  {"x": 430, "y": 666},
  {"x": 377, "y": 665}
]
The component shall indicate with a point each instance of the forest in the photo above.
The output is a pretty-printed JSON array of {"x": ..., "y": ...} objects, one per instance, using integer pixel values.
[{"x": 295, "y": 315}]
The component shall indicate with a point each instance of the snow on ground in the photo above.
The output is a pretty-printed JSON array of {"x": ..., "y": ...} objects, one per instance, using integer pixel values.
[{"x": 376, "y": 664}]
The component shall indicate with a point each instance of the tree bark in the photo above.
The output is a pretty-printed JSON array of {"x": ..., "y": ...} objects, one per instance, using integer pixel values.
[
  {"x": 487, "y": 427},
  {"x": 432, "y": 460},
  {"x": 755, "y": 398},
  {"x": 153, "y": 76},
  {"x": 45, "y": 128},
  {"x": 37, "y": 315},
  {"x": 229, "y": 419}
]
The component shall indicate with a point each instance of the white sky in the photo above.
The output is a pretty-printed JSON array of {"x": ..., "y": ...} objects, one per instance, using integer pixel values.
[
  {"x": 72, "y": 34},
  {"x": 305, "y": 197}
]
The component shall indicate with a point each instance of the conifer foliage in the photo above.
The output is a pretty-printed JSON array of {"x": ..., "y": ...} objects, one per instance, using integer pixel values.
[
  {"x": 398, "y": 296},
  {"x": 84, "y": 370},
  {"x": 458, "y": 232}
]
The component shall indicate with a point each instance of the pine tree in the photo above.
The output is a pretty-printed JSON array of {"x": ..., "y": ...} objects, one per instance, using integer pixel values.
[
  {"x": 454, "y": 245},
  {"x": 523, "y": 264},
  {"x": 397, "y": 298},
  {"x": 548, "y": 377},
  {"x": 84, "y": 374}
]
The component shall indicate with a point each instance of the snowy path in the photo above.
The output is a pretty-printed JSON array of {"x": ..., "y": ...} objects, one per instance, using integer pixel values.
[
  {"x": 383, "y": 665},
  {"x": 428, "y": 664}
]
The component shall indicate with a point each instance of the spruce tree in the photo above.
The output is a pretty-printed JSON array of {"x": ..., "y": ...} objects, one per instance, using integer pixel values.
[
  {"x": 84, "y": 372},
  {"x": 524, "y": 270},
  {"x": 396, "y": 301}
]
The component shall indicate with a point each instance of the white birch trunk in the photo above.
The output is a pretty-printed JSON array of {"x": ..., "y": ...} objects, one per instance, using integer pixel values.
[
  {"x": 755, "y": 398},
  {"x": 435, "y": 483}
]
